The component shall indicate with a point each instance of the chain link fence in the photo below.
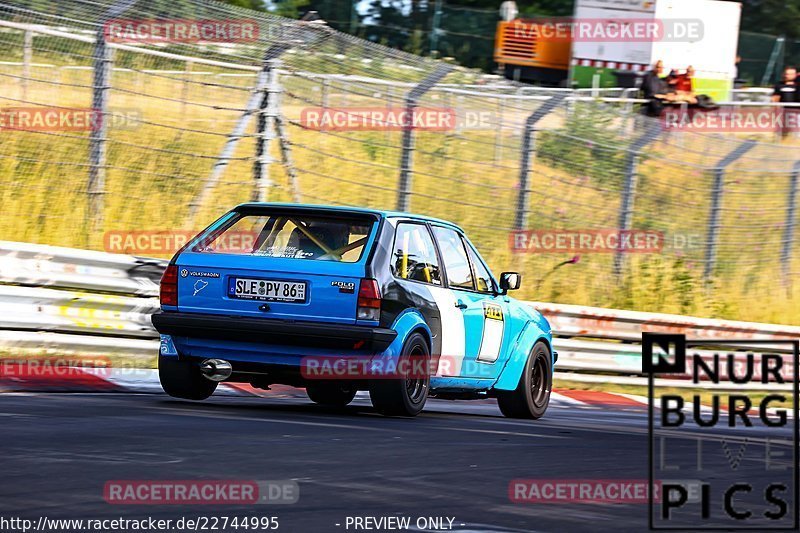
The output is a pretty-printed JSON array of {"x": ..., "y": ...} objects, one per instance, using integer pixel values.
[{"x": 191, "y": 127}]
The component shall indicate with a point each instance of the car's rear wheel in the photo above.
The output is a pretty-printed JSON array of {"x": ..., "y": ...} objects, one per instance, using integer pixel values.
[
  {"x": 182, "y": 379},
  {"x": 532, "y": 395},
  {"x": 331, "y": 393},
  {"x": 407, "y": 396}
]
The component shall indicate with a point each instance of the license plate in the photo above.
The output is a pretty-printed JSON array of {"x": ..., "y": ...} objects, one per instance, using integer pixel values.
[{"x": 267, "y": 290}]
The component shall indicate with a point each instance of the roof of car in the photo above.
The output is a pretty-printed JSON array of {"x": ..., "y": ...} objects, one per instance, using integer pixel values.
[{"x": 349, "y": 209}]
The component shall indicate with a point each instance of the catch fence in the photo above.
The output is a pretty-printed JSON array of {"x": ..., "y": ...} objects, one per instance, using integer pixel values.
[{"x": 191, "y": 128}]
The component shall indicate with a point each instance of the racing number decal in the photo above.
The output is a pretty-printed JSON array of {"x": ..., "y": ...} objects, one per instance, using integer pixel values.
[
  {"x": 493, "y": 312},
  {"x": 492, "y": 339}
]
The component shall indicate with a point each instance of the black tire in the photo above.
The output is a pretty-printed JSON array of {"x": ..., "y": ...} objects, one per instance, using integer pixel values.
[
  {"x": 331, "y": 393},
  {"x": 404, "y": 397},
  {"x": 182, "y": 379},
  {"x": 532, "y": 395}
]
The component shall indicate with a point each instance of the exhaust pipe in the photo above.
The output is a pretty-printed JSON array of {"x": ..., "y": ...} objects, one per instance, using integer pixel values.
[{"x": 216, "y": 369}]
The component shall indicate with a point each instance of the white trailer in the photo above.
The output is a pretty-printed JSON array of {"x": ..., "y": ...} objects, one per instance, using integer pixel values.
[{"x": 700, "y": 33}]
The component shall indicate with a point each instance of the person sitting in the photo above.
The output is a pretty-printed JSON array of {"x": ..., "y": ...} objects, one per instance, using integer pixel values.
[
  {"x": 684, "y": 84},
  {"x": 684, "y": 87},
  {"x": 680, "y": 86},
  {"x": 656, "y": 90}
]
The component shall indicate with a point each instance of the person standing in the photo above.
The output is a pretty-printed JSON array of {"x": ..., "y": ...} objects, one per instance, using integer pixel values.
[{"x": 786, "y": 92}]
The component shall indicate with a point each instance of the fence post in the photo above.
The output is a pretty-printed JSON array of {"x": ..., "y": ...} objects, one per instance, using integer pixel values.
[
  {"x": 525, "y": 161},
  {"x": 265, "y": 132},
  {"x": 717, "y": 191},
  {"x": 406, "y": 157},
  {"x": 288, "y": 160},
  {"x": 325, "y": 96},
  {"x": 27, "y": 59},
  {"x": 788, "y": 236},
  {"x": 187, "y": 74},
  {"x": 326, "y": 92},
  {"x": 498, "y": 134},
  {"x": 103, "y": 59},
  {"x": 629, "y": 188}
]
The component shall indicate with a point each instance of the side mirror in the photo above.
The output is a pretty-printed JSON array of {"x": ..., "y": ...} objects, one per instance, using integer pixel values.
[{"x": 509, "y": 281}]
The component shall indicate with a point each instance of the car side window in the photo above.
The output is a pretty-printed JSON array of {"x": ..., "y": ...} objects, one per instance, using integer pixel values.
[
  {"x": 414, "y": 256},
  {"x": 482, "y": 277},
  {"x": 455, "y": 259}
]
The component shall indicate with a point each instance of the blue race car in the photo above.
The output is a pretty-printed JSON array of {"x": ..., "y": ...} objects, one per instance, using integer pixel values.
[{"x": 340, "y": 299}]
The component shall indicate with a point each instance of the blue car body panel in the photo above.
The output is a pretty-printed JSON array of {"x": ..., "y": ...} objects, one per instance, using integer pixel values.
[{"x": 490, "y": 335}]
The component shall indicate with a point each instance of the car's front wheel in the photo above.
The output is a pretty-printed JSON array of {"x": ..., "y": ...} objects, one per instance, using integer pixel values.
[
  {"x": 532, "y": 395},
  {"x": 331, "y": 393},
  {"x": 406, "y": 396},
  {"x": 183, "y": 379}
]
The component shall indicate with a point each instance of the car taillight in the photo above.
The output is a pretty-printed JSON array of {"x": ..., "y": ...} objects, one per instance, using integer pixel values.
[
  {"x": 369, "y": 300},
  {"x": 169, "y": 286}
]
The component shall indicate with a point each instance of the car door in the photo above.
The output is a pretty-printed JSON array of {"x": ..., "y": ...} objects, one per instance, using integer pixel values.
[{"x": 483, "y": 311}]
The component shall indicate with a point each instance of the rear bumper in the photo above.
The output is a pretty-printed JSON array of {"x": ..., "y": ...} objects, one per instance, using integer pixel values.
[{"x": 271, "y": 331}]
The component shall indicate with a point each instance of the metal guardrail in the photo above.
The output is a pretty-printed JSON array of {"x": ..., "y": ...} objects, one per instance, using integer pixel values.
[
  {"x": 36, "y": 265},
  {"x": 62, "y": 300},
  {"x": 55, "y": 299}
]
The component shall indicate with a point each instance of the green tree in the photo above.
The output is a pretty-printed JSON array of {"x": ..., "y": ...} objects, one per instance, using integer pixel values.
[
  {"x": 776, "y": 17},
  {"x": 257, "y": 5},
  {"x": 284, "y": 8},
  {"x": 553, "y": 8}
]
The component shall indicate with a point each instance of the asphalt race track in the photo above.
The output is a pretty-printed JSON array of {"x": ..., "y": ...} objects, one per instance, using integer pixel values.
[{"x": 455, "y": 460}]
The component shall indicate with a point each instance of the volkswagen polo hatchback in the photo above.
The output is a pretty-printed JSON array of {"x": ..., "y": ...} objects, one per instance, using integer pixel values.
[{"x": 338, "y": 300}]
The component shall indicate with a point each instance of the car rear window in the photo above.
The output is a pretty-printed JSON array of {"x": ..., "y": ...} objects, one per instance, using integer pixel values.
[{"x": 295, "y": 236}]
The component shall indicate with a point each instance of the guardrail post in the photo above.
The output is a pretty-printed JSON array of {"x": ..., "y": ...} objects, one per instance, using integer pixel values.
[
  {"x": 629, "y": 188},
  {"x": 526, "y": 159},
  {"x": 27, "y": 58},
  {"x": 407, "y": 155},
  {"x": 265, "y": 132},
  {"x": 788, "y": 236},
  {"x": 717, "y": 191}
]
